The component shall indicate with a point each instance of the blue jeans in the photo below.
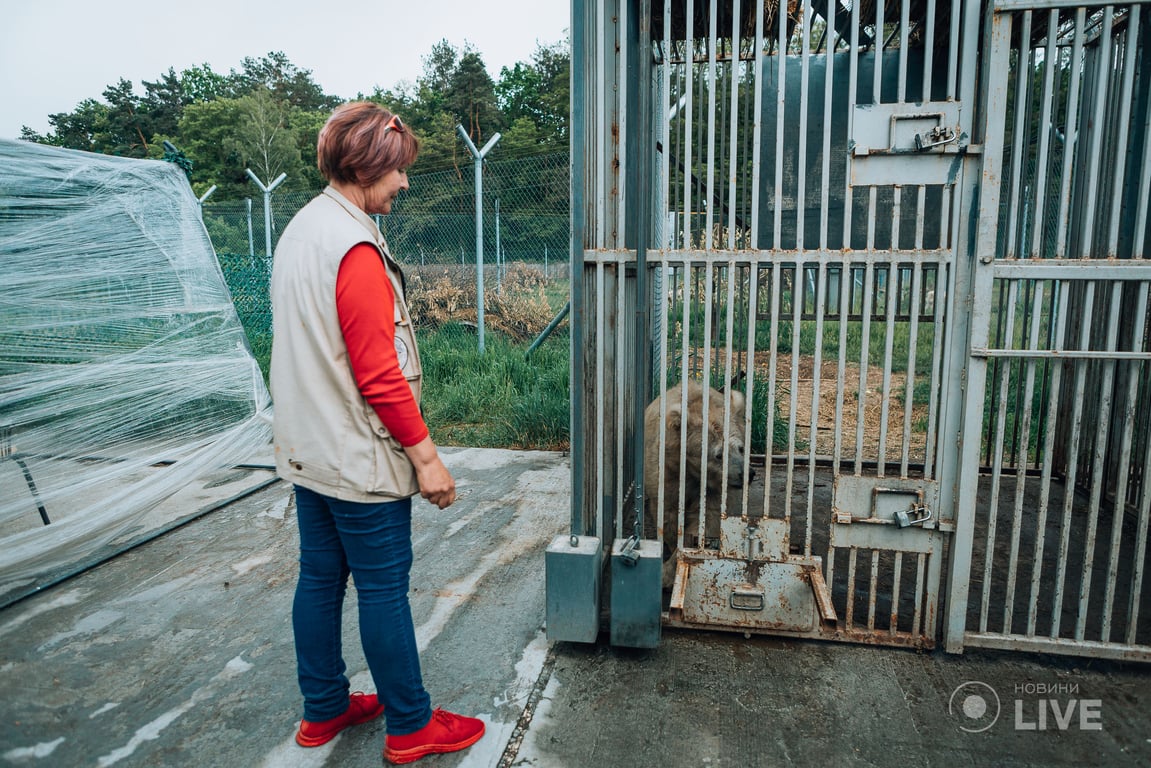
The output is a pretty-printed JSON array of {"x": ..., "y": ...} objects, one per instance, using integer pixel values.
[{"x": 373, "y": 543}]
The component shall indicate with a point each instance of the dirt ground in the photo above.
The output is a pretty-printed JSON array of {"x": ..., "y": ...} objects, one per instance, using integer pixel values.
[{"x": 902, "y": 433}]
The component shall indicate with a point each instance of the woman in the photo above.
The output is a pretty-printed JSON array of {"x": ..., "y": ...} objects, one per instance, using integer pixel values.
[{"x": 345, "y": 380}]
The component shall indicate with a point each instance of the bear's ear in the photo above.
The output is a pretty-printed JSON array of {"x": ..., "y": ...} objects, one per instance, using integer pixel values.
[
  {"x": 673, "y": 416},
  {"x": 738, "y": 400},
  {"x": 736, "y": 378}
]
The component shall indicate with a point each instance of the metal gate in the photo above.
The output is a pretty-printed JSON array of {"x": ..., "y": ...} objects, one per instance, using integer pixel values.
[
  {"x": 1054, "y": 497},
  {"x": 786, "y": 200}
]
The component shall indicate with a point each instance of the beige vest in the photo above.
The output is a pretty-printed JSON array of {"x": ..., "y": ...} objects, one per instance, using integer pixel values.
[{"x": 327, "y": 437}]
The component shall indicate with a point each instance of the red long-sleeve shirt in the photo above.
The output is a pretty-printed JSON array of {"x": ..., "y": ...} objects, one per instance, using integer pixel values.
[{"x": 365, "y": 304}]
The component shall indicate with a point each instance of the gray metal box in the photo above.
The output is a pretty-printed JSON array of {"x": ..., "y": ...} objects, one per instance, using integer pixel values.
[
  {"x": 636, "y": 594},
  {"x": 572, "y": 568}
]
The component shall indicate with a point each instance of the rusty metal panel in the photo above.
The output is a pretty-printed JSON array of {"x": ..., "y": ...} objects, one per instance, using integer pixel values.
[{"x": 741, "y": 595}]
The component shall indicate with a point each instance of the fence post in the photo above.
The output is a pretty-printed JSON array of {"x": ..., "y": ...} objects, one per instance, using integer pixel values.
[
  {"x": 478, "y": 156},
  {"x": 267, "y": 207},
  {"x": 251, "y": 238},
  {"x": 499, "y": 253},
  {"x": 203, "y": 198}
]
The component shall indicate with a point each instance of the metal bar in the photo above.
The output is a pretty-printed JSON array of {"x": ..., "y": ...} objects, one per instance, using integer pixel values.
[
  {"x": 893, "y": 625},
  {"x": 1059, "y": 307},
  {"x": 772, "y": 369},
  {"x": 1124, "y": 466},
  {"x": 749, "y": 411},
  {"x": 781, "y": 92},
  {"x": 756, "y": 148},
  {"x": 1000, "y": 6},
  {"x": 797, "y": 290},
  {"x": 816, "y": 390},
  {"x": 719, "y": 257},
  {"x": 1073, "y": 269},
  {"x": 705, "y": 367},
  {"x": 602, "y": 163},
  {"x": 877, "y": 71},
  {"x": 873, "y": 588},
  {"x": 1097, "y": 123},
  {"x": 1144, "y": 198},
  {"x": 849, "y": 617},
  {"x": 829, "y": 77},
  {"x": 804, "y": 86},
  {"x": 940, "y": 341},
  {"x": 1137, "y": 567},
  {"x": 1118, "y": 165},
  {"x": 904, "y": 28},
  {"x": 729, "y": 334},
  {"x": 845, "y": 282},
  {"x": 689, "y": 81},
  {"x": 953, "y": 50},
  {"x": 917, "y": 619},
  {"x": 928, "y": 51},
  {"x": 712, "y": 96},
  {"x": 665, "y": 139},
  {"x": 1071, "y": 477},
  {"x": 617, "y": 390},
  {"x": 852, "y": 97},
  {"x": 1098, "y": 470},
  {"x": 909, "y": 381},
  {"x": 685, "y": 354},
  {"x": 1059, "y": 354},
  {"x": 864, "y": 360},
  {"x": 968, "y": 419},
  {"x": 1024, "y": 438},
  {"x": 997, "y": 444},
  {"x": 578, "y": 185},
  {"x": 1050, "y": 64},
  {"x": 620, "y": 98},
  {"x": 1023, "y": 75},
  {"x": 1095, "y": 650},
  {"x": 600, "y": 394},
  {"x": 890, "y": 297},
  {"x": 733, "y": 160},
  {"x": 661, "y": 387},
  {"x": 1071, "y": 134}
]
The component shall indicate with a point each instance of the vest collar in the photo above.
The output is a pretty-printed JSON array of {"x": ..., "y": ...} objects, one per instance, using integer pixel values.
[{"x": 366, "y": 221}]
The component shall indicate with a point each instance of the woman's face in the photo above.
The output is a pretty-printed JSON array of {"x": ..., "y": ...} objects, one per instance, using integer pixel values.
[{"x": 378, "y": 197}]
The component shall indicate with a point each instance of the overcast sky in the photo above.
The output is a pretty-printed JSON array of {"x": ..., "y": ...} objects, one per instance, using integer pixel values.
[{"x": 56, "y": 53}]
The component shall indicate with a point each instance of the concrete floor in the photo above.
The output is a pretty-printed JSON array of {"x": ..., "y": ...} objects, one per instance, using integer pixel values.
[{"x": 179, "y": 653}]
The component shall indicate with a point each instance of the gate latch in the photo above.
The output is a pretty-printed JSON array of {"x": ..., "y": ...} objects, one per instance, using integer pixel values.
[
  {"x": 937, "y": 136},
  {"x": 916, "y": 514}
]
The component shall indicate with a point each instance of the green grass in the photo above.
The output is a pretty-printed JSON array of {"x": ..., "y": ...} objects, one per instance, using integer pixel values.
[{"x": 501, "y": 399}]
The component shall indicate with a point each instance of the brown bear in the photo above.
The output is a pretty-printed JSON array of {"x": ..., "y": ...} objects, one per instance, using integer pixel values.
[{"x": 718, "y": 439}]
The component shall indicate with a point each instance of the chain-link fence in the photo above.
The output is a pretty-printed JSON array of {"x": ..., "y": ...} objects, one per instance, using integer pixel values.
[
  {"x": 505, "y": 397},
  {"x": 432, "y": 233}
]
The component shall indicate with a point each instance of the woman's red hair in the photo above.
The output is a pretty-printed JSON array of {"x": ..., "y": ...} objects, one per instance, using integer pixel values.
[{"x": 354, "y": 148}]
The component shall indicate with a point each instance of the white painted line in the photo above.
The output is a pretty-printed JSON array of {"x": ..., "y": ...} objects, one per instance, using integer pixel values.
[{"x": 152, "y": 730}]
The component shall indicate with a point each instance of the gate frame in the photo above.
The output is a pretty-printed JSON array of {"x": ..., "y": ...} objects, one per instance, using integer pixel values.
[{"x": 986, "y": 266}]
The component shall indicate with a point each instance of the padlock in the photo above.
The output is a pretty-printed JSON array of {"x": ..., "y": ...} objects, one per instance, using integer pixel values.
[{"x": 913, "y": 515}]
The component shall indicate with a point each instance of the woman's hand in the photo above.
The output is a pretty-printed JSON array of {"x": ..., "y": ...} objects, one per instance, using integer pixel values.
[{"x": 436, "y": 483}]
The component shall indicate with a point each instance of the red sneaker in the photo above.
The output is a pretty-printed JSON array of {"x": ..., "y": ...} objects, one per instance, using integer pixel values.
[
  {"x": 362, "y": 707},
  {"x": 445, "y": 732}
]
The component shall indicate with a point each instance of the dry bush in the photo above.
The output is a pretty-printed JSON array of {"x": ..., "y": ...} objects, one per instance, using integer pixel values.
[
  {"x": 516, "y": 307},
  {"x": 521, "y": 314}
]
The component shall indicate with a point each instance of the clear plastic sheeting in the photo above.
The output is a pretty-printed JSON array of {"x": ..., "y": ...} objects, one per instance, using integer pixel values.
[{"x": 125, "y": 375}]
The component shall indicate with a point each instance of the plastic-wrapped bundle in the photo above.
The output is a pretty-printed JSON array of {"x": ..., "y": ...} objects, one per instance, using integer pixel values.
[{"x": 125, "y": 375}]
